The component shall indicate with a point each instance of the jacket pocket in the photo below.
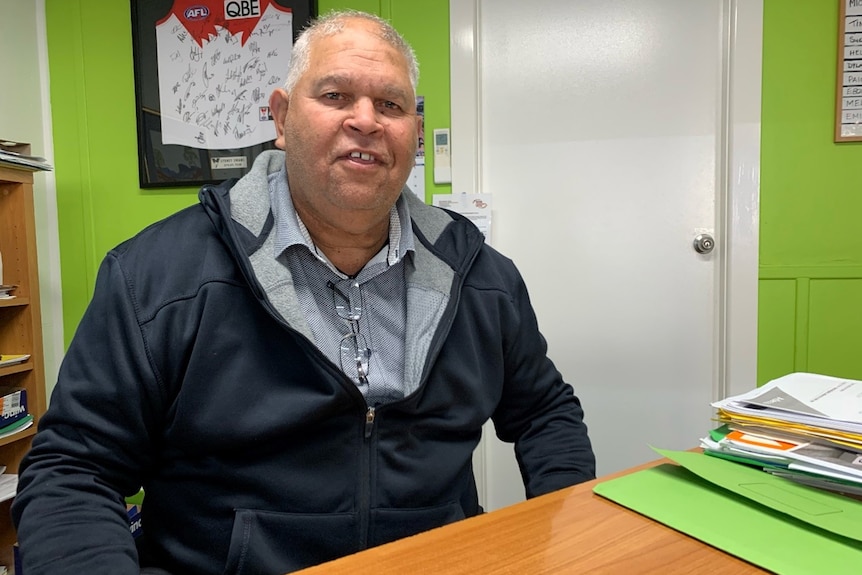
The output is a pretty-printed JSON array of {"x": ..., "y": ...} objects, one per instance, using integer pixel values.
[
  {"x": 391, "y": 524},
  {"x": 271, "y": 543}
]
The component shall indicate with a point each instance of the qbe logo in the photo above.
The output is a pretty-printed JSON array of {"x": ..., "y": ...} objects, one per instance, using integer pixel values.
[
  {"x": 196, "y": 13},
  {"x": 235, "y": 9}
]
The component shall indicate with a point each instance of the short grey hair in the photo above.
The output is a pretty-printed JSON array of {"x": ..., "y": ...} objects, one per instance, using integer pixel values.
[{"x": 331, "y": 24}]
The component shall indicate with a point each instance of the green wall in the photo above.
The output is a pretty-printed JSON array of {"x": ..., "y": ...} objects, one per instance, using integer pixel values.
[
  {"x": 99, "y": 200},
  {"x": 810, "y": 296}
]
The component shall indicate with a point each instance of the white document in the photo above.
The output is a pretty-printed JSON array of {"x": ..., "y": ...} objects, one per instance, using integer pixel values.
[
  {"x": 216, "y": 74},
  {"x": 416, "y": 181},
  {"x": 8, "y": 486},
  {"x": 476, "y": 207},
  {"x": 807, "y": 398}
]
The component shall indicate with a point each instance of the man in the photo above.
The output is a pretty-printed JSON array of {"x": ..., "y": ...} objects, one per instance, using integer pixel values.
[{"x": 299, "y": 367}]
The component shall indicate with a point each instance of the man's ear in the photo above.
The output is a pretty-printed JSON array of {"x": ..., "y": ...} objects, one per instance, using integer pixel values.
[{"x": 278, "y": 103}]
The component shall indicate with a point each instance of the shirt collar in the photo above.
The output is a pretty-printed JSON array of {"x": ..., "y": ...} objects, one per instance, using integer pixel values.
[{"x": 290, "y": 230}]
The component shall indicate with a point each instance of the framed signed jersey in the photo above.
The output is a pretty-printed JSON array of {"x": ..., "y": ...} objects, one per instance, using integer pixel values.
[{"x": 204, "y": 71}]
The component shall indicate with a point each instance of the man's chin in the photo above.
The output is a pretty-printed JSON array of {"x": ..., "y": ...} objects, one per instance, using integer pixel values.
[{"x": 371, "y": 196}]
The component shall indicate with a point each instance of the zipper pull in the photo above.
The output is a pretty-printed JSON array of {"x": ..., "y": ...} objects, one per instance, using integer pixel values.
[{"x": 369, "y": 422}]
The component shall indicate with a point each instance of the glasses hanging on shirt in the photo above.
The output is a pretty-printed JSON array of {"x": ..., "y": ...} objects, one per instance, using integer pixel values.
[{"x": 354, "y": 350}]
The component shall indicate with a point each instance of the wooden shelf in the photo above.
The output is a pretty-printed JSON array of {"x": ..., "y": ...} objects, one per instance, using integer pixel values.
[
  {"x": 16, "y": 368},
  {"x": 25, "y": 434},
  {"x": 20, "y": 321}
]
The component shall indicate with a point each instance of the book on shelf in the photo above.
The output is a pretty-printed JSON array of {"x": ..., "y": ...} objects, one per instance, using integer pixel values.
[
  {"x": 13, "y": 405},
  {"x": 133, "y": 511},
  {"x": 17, "y": 154},
  {"x": 14, "y": 428},
  {"x": 13, "y": 358},
  {"x": 6, "y": 291}
]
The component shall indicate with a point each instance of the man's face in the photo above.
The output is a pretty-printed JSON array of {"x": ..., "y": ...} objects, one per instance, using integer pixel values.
[{"x": 350, "y": 127}]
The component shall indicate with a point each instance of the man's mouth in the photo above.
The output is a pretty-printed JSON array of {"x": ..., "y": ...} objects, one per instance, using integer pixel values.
[{"x": 362, "y": 156}]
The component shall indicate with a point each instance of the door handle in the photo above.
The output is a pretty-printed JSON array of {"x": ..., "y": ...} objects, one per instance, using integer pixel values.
[{"x": 703, "y": 243}]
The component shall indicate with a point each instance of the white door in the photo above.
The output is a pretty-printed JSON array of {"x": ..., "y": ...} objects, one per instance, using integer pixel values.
[{"x": 610, "y": 135}]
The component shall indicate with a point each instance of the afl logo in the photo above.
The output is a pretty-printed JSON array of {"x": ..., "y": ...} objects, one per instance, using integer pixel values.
[{"x": 197, "y": 13}]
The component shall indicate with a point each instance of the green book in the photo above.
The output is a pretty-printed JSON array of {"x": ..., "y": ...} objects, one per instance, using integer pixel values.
[{"x": 22, "y": 423}]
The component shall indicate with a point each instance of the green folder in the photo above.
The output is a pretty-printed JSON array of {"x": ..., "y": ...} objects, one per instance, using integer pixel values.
[{"x": 769, "y": 521}]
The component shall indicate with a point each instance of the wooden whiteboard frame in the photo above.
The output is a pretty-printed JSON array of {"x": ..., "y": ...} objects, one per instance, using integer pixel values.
[{"x": 845, "y": 93}]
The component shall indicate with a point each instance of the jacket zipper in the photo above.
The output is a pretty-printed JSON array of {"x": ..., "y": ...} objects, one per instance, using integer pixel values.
[
  {"x": 369, "y": 422},
  {"x": 367, "y": 431},
  {"x": 365, "y": 483}
]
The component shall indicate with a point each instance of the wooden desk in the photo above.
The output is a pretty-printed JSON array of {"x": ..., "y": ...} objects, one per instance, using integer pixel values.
[{"x": 568, "y": 531}]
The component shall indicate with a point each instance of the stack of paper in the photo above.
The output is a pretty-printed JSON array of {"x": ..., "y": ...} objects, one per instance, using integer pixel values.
[
  {"x": 805, "y": 431},
  {"x": 24, "y": 160},
  {"x": 8, "y": 486},
  {"x": 803, "y": 426},
  {"x": 6, "y": 291}
]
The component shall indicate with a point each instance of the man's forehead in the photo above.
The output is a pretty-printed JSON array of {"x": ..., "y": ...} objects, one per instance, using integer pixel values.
[
  {"x": 336, "y": 60},
  {"x": 348, "y": 77},
  {"x": 357, "y": 38}
]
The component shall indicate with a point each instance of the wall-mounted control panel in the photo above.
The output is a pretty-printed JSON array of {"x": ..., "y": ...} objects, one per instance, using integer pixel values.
[{"x": 442, "y": 157}]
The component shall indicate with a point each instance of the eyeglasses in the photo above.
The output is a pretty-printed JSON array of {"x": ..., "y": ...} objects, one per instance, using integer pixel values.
[{"x": 355, "y": 353}]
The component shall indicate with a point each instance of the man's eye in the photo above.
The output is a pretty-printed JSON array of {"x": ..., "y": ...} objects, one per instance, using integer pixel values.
[
  {"x": 332, "y": 96},
  {"x": 390, "y": 105}
]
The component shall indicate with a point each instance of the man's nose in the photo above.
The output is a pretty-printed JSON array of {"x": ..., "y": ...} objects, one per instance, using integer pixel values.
[{"x": 364, "y": 117}]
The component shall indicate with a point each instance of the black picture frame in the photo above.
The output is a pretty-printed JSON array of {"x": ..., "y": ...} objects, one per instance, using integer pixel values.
[{"x": 172, "y": 165}]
